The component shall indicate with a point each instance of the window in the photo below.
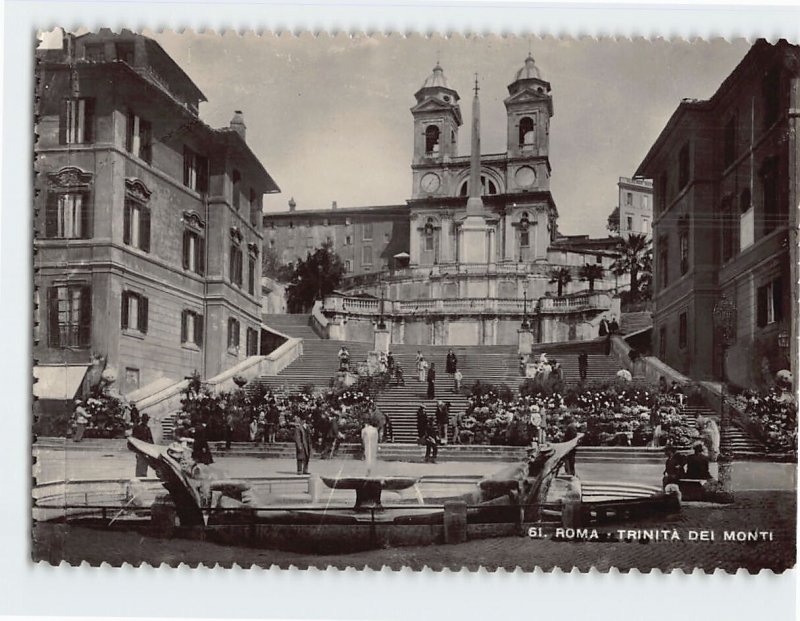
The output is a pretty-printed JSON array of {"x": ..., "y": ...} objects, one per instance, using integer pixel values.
[
  {"x": 366, "y": 255},
  {"x": 524, "y": 238},
  {"x": 431, "y": 140},
  {"x": 429, "y": 231},
  {"x": 488, "y": 187},
  {"x": 629, "y": 198},
  {"x": 646, "y": 226},
  {"x": 95, "y": 52},
  {"x": 136, "y": 225},
  {"x": 191, "y": 328},
  {"x": 309, "y": 241},
  {"x": 194, "y": 252},
  {"x": 663, "y": 262},
  {"x": 125, "y": 52},
  {"x": 728, "y": 228},
  {"x": 235, "y": 266},
  {"x": 134, "y": 311},
  {"x": 769, "y": 303},
  {"x": 598, "y": 259},
  {"x": 252, "y": 342},
  {"x": 195, "y": 170},
  {"x": 662, "y": 191},
  {"x": 682, "y": 331},
  {"x": 527, "y": 131},
  {"x": 251, "y": 275},
  {"x": 233, "y": 335},
  {"x": 131, "y": 378},
  {"x": 67, "y": 216},
  {"x": 662, "y": 341},
  {"x": 76, "y": 124},
  {"x": 367, "y": 227},
  {"x": 139, "y": 138},
  {"x": 69, "y": 315},
  {"x": 348, "y": 240},
  {"x": 729, "y": 143},
  {"x": 645, "y": 202},
  {"x": 769, "y": 186},
  {"x": 348, "y": 266},
  {"x": 236, "y": 180},
  {"x": 771, "y": 94},
  {"x": 683, "y": 167},
  {"x": 629, "y": 223},
  {"x": 683, "y": 241}
]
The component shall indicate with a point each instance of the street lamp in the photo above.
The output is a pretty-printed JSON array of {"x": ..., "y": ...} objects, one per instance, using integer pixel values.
[{"x": 381, "y": 322}]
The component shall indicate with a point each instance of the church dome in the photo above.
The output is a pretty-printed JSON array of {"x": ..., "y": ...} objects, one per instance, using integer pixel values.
[
  {"x": 528, "y": 71},
  {"x": 436, "y": 79}
]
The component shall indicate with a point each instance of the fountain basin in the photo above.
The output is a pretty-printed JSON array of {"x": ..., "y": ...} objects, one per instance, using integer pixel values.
[{"x": 368, "y": 489}]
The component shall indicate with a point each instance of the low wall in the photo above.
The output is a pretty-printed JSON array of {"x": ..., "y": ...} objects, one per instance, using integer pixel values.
[
  {"x": 319, "y": 322},
  {"x": 166, "y": 401},
  {"x": 649, "y": 367}
]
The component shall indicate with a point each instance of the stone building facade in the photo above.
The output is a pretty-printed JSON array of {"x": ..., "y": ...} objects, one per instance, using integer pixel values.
[
  {"x": 634, "y": 211},
  {"x": 148, "y": 221},
  {"x": 725, "y": 175}
]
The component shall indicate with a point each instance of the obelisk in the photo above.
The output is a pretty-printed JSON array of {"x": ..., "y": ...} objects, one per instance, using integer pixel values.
[{"x": 474, "y": 230}]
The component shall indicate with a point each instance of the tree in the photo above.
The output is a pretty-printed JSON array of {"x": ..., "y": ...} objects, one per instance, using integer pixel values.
[
  {"x": 612, "y": 224},
  {"x": 632, "y": 259},
  {"x": 562, "y": 276},
  {"x": 315, "y": 277},
  {"x": 591, "y": 272},
  {"x": 271, "y": 266}
]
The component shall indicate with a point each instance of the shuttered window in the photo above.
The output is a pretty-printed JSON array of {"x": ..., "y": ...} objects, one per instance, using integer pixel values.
[
  {"x": 191, "y": 328},
  {"x": 76, "y": 122},
  {"x": 139, "y": 137},
  {"x": 69, "y": 316},
  {"x": 68, "y": 215},
  {"x": 136, "y": 225},
  {"x": 134, "y": 311},
  {"x": 194, "y": 252},
  {"x": 233, "y": 334}
]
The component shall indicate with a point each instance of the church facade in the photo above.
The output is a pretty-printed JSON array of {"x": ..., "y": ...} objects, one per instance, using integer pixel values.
[{"x": 473, "y": 250}]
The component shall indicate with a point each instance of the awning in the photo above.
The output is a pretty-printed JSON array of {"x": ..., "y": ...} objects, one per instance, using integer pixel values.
[
  {"x": 58, "y": 381},
  {"x": 402, "y": 255}
]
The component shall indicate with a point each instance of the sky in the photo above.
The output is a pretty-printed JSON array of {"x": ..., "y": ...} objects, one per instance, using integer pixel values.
[{"x": 329, "y": 117}]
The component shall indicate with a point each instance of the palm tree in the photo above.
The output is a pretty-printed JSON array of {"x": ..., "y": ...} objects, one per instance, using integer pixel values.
[
  {"x": 591, "y": 272},
  {"x": 633, "y": 252},
  {"x": 562, "y": 276}
]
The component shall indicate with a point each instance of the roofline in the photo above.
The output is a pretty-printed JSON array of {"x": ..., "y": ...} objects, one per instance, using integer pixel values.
[{"x": 370, "y": 209}]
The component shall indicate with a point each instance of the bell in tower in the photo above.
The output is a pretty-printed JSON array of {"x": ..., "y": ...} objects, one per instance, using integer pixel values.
[{"x": 437, "y": 117}]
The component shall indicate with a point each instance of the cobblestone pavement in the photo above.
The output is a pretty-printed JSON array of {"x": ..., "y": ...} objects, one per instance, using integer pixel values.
[{"x": 772, "y": 512}]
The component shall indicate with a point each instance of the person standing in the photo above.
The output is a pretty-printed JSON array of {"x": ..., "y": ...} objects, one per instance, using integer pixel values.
[
  {"x": 583, "y": 365},
  {"x": 81, "y": 420},
  {"x": 273, "y": 420},
  {"x": 201, "y": 451},
  {"x": 431, "y": 442},
  {"x": 302, "y": 444},
  {"x": 253, "y": 429},
  {"x": 451, "y": 364},
  {"x": 432, "y": 381},
  {"x": 422, "y": 367},
  {"x": 390, "y": 364},
  {"x": 458, "y": 377},
  {"x": 344, "y": 359},
  {"x": 228, "y": 430},
  {"x": 570, "y": 434},
  {"x": 141, "y": 431}
]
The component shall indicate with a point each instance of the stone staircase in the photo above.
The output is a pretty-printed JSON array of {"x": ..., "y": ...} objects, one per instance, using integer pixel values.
[
  {"x": 741, "y": 444},
  {"x": 298, "y": 326}
]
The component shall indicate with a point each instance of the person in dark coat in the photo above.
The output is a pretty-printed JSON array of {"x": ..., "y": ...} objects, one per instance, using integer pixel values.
[
  {"x": 583, "y": 365},
  {"x": 431, "y": 441},
  {"x": 302, "y": 445},
  {"x": 432, "y": 381},
  {"x": 697, "y": 464},
  {"x": 201, "y": 452},
  {"x": 422, "y": 423},
  {"x": 451, "y": 364},
  {"x": 441, "y": 420},
  {"x": 229, "y": 420},
  {"x": 613, "y": 326},
  {"x": 603, "y": 331},
  {"x": 674, "y": 467},
  {"x": 570, "y": 434},
  {"x": 141, "y": 431}
]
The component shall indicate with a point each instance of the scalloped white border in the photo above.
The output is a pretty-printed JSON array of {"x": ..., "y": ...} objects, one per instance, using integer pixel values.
[{"x": 350, "y": 594}]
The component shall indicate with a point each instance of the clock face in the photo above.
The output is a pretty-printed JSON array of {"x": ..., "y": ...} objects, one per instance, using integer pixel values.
[
  {"x": 525, "y": 176},
  {"x": 430, "y": 182}
]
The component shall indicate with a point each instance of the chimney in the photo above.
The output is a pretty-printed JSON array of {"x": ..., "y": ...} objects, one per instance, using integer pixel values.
[
  {"x": 334, "y": 205},
  {"x": 292, "y": 204},
  {"x": 237, "y": 124}
]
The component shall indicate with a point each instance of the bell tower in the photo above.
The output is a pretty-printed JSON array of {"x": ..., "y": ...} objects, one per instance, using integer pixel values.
[
  {"x": 529, "y": 107},
  {"x": 437, "y": 117}
]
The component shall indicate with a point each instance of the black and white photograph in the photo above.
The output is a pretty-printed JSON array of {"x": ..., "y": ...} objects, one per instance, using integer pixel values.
[{"x": 397, "y": 300}]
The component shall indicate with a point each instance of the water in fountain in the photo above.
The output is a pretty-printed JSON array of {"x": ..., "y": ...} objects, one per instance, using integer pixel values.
[{"x": 369, "y": 436}]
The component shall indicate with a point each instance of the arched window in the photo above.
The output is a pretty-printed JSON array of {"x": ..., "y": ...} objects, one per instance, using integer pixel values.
[
  {"x": 431, "y": 140},
  {"x": 527, "y": 131},
  {"x": 488, "y": 187}
]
